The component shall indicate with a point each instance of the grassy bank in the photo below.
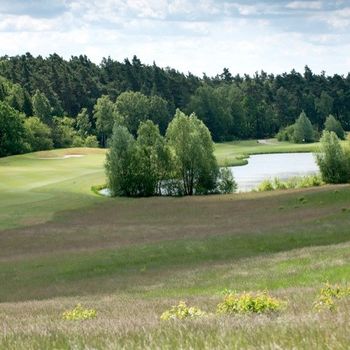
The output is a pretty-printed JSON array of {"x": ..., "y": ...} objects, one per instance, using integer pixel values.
[
  {"x": 237, "y": 152},
  {"x": 130, "y": 259}
]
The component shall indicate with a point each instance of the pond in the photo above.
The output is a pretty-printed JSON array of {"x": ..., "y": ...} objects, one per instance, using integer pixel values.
[{"x": 268, "y": 166}]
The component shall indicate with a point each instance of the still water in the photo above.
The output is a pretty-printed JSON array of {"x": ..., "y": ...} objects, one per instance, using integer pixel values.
[{"x": 268, "y": 166}]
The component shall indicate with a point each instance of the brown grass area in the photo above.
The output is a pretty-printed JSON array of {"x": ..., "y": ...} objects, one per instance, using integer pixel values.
[
  {"x": 131, "y": 323},
  {"x": 120, "y": 222}
]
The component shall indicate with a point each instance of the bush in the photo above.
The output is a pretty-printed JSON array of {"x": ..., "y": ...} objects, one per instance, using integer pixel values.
[
  {"x": 260, "y": 302},
  {"x": 294, "y": 182},
  {"x": 91, "y": 141},
  {"x": 309, "y": 181},
  {"x": 332, "y": 124},
  {"x": 79, "y": 314},
  {"x": 182, "y": 311},
  {"x": 266, "y": 185},
  {"x": 333, "y": 160},
  {"x": 226, "y": 181},
  {"x": 77, "y": 141},
  {"x": 38, "y": 134},
  {"x": 303, "y": 130},
  {"x": 328, "y": 296},
  {"x": 286, "y": 134}
]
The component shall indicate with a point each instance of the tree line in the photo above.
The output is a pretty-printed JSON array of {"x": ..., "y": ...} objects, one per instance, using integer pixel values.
[{"x": 75, "y": 102}]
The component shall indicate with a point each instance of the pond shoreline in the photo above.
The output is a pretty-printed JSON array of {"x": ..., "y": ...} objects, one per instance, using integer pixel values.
[{"x": 267, "y": 166}]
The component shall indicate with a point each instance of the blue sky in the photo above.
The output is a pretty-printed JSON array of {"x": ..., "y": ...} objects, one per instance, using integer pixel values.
[{"x": 195, "y": 35}]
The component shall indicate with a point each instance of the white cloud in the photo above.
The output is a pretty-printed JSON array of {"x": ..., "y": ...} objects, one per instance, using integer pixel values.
[
  {"x": 337, "y": 19},
  {"x": 202, "y": 36},
  {"x": 305, "y": 5}
]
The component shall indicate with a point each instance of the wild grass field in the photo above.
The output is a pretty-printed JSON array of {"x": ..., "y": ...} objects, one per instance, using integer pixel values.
[{"x": 131, "y": 259}]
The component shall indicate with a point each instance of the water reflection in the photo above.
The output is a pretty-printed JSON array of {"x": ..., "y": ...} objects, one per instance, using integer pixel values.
[{"x": 269, "y": 166}]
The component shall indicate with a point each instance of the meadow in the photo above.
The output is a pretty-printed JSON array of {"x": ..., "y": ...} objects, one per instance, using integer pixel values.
[{"x": 130, "y": 259}]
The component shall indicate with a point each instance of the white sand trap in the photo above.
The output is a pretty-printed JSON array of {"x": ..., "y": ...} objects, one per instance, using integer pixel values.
[
  {"x": 105, "y": 192},
  {"x": 73, "y": 156},
  {"x": 65, "y": 156}
]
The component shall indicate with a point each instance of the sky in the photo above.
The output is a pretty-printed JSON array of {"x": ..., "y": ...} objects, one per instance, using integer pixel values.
[{"x": 198, "y": 36}]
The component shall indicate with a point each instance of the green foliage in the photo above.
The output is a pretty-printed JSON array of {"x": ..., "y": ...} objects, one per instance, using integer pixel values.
[
  {"x": 38, "y": 134},
  {"x": 181, "y": 312},
  {"x": 105, "y": 116},
  {"x": 63, "y": 132},
  {"x": 42, "y": 107},
  {"x": 149, "y": 165},
  {"x": 294, "y": 182},
  {"x": 12, "y": 131},
  {"x": 328, "y": 296},
  {"x": 226, "y": 181},
  {"x": 15, "y": 96},
  {"x": 120, "y": 163},
  {"x": 135, "y": 107},
  {"x": 91, "y": 141},
  {"x": 77, "y": 141},
  {"x": 266, "y": 185},
  {"x": 303, "y": 130},
  {"x": 286, "y": 134},
  {"x": 153, "y": 159},
  {"x": 324, "y": 104},
  {"x": 159, "y": 112},
  {"x": 332, "y": 124},
  {"x": 333, "y": 160},
  {"x": 83, "y": 123},
  {"x": 239, "y": 107},
  {"x": 193, "y": 150},
  {"x": 138, "y": 167},
  {"x": 211, "y": 106},
  {"x": 79, "y": 313},
  {"x": 260, "y": 302}
]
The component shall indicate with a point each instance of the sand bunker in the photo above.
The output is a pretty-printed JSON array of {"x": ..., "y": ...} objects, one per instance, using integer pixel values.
[{"x": 65, "y": 156}]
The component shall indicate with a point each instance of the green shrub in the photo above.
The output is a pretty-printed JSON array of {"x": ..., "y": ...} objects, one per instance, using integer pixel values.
[
  {"x": 91, "y": 141},
  {"x": 226, "y": 181},
  {"x": 333, "y": 160},
  {"x": 332, "y": 124},
  {"x": 182, "y": 311},
  {"x": 294, "y": 182},
  {"x": 309, "y": 181},
  {"x": 328, "y": 296},
  {"x": 260, "y": 302},
  {"x": 77, "y": 141},
  {"x": 303, "y": 130},
  {"x": 266, "y": 185},
  {"x": 79, "y": 314},
  {"x": 285, "y": 134},
  {"x": 278, "y": 184}
]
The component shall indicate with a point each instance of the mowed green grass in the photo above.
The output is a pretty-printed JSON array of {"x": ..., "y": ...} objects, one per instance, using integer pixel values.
[
  {"x": 36, "y": 186},
  {"x": 131, "y": 259}
]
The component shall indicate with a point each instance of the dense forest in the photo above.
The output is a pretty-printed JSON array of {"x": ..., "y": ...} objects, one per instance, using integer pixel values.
[{"x": 75, "y": 101}]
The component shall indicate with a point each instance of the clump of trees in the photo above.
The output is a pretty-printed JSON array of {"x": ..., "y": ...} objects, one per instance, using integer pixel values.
[
  {"x": 181, "y": 163},
  {"x": 303, "y": 131},
  {"x": 332, "y": 124},
  {"x": 299, "y": 132},
  {"x": 333, "y": 159}
]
